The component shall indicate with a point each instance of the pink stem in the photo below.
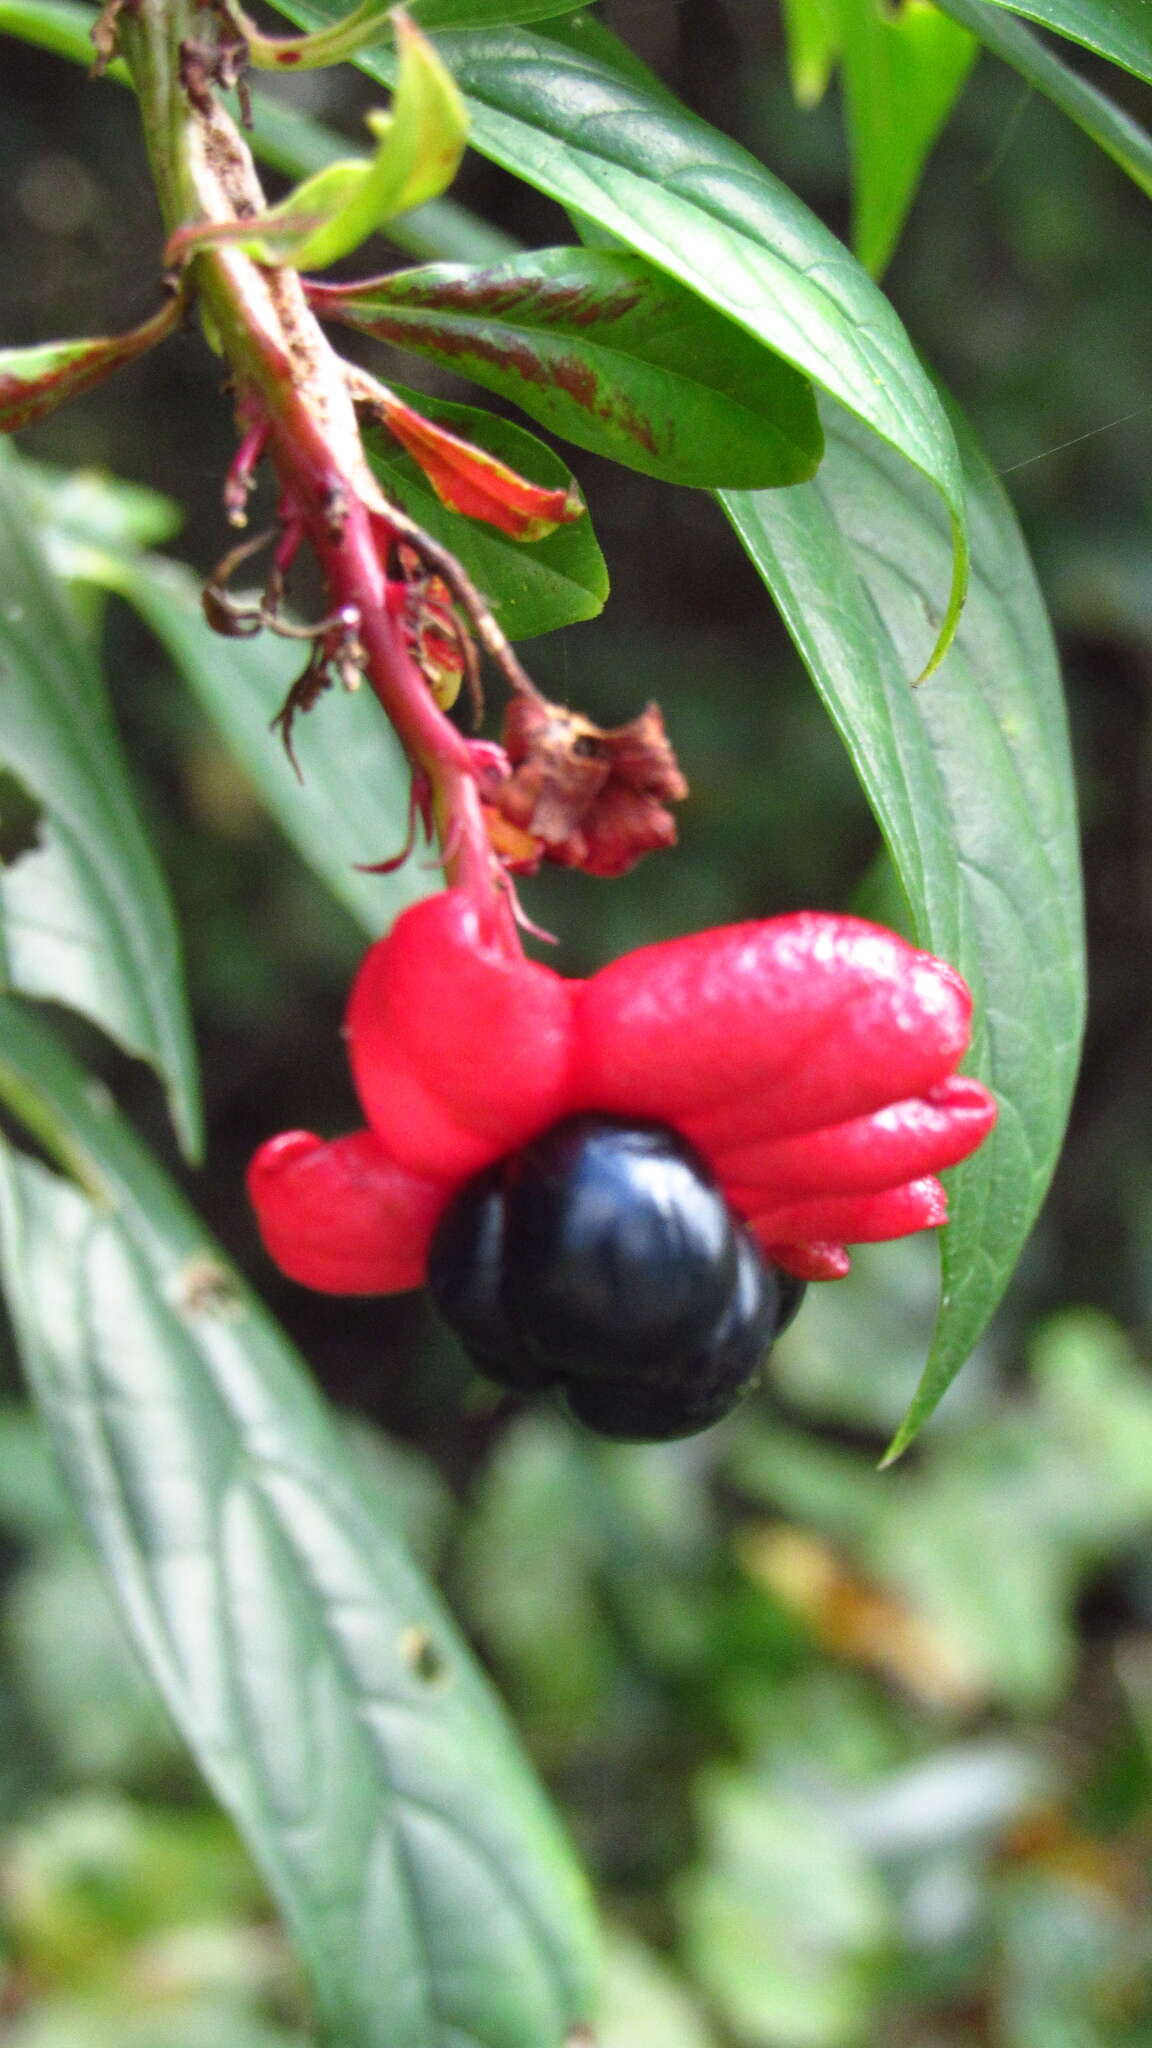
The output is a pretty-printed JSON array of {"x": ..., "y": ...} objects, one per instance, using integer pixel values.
[{"x": 343, "y": 533}]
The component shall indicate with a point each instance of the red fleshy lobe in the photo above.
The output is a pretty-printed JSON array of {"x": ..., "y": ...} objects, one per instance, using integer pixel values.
[
  {"x": 343, "y": 1217},
  {"x": 810, "y": 1058},
  {"x": 757, "y": 1031},
  {"x": 459, "y": 1054}
]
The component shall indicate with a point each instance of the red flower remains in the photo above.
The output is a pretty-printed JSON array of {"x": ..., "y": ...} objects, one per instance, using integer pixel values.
[{"x": 811, "y": 1060}]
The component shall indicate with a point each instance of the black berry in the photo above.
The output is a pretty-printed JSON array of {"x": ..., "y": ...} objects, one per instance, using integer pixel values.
[
  {"x": 603, "y": 1256},
  {"x": 466, "y": 1273},
  {"x": 620, "y": 1250}
]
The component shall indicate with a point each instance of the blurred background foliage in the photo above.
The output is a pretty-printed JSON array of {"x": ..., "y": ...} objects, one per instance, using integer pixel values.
[{"x": 853, "y": 1757}]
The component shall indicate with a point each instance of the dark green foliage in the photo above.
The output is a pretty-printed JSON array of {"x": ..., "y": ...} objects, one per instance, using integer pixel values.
[{"x": 850, "y": 1757}]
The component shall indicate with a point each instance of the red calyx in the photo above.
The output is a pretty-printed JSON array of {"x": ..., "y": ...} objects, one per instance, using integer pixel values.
[{"x": 810, "y": 1058}]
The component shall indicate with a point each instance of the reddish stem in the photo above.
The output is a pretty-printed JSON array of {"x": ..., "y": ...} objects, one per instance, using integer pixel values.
[
  {"x": 344, "y": 535},
  {"x": 293, "y": 401}
]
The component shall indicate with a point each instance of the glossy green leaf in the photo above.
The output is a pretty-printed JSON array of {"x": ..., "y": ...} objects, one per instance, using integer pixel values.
[
  {"x": 325, "y": 1691},
  {"x": 1114, "y": 130},
  {"x": 602, "y": 348},
  {"x": 371, "y": 23},
  {"x": 438, "y": 15},
  {"x": 701, "y": 208},
  {"x": 532, "y": 586},
  {"x": 34, "y": 381},
  {"x": 86, "y": 916},
  {"x": 1119, "y": 29},
  {"x": 903, "y": 69},
  {"x": 349, "y": 803},
  {"x": 970, "y": 780}
]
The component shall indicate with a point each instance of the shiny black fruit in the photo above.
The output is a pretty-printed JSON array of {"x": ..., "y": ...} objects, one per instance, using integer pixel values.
[
  {"x": 466, "y": 1275},
  {"x": 620, "y": 1252},
  {"x": 604, "y": 1257},
  {"x": 694, "y": 1392}
]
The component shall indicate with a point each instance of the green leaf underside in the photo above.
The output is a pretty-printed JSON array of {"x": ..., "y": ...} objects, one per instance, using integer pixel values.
[
  {"x": 87, "y": 921},
  {"x": 1109, "y": 126},
  {"x": 532, "y": 586},
  {"x": 328, "y": 1698},
  {"x": 1119, "y": 29},
  {"x": 903, "y": 71},
  {"x": 701, "y": 208},
  {"x": 970, "y": 779},
  {"x": 600, "y": 347}
]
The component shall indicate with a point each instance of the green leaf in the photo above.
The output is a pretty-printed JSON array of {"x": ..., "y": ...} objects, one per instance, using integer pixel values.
[
  {"x": 62, "y": 26},
  {"x": 324, "y": 1689},
  {"x": 1109, "y": 125},
  {"x": 645, "y": 2004},
  {"x": 812, "y": 32},
  {"x": 86, "y": 916},
  {"x": 1119, "y": 29},
  {"x": 437, "y": 15},
  {"x": 96, "y": 509},
  {"x": 970, "y": 780},
  {"x": 701, "y": 208},
  {"x": 364, "y": 24},
  {"x": 532, "y": 586},
  {"x": 903, "y": 70},
  {"x": 281, "y": 136},
  {"x": 602, "y": 348},
  {"x": 34, "y": 381},
  {"x": 349, "y": 803},
  {"x": 785, "y": 1921},
  {"x": 419, "y": 147},
  {"x": 332, "y": 46}
]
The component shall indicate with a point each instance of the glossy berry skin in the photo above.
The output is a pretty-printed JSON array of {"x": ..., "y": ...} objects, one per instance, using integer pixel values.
[
  {"x": 466, "y": 1276},
  {"x": 603, "y": 1257}
]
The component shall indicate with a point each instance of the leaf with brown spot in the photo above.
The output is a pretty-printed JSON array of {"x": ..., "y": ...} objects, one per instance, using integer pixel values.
[
  {"x": 34, "y": 381},
  {"x": 603, "y": 348}
]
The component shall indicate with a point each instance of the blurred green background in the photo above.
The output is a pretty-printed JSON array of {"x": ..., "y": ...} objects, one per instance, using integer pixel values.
[{"x": 853, "y": 1758}]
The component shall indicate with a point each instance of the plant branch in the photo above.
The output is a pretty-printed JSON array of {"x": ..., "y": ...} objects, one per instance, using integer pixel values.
[{"x": 291, "y": 393}]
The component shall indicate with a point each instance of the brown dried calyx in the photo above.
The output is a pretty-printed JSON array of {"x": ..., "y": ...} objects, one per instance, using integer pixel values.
[{"x": 579, "y": 795}]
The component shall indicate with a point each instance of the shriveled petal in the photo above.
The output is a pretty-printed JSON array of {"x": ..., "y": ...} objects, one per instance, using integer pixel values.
[
  {"x": 900, "y": 1143},
  {"x": 459, "y": 1053},
  {"x": 758, "y": 1031},
  {"x": 342, "y": 1216},
  {"x": 854, "y": 1219}
]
